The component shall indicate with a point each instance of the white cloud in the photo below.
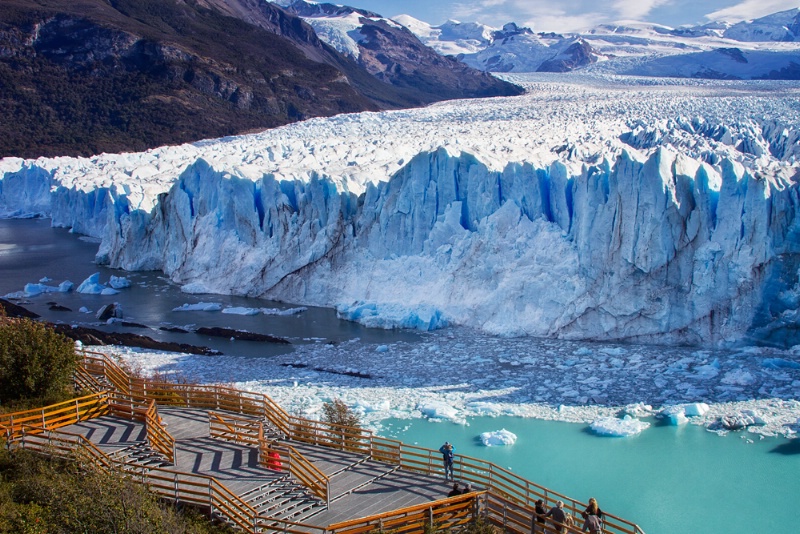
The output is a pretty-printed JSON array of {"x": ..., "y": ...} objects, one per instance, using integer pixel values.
[
  {"x": 636, "y": 9},
  {"x": 542, "y": 15},
  {"x": 751, "y": 9}
]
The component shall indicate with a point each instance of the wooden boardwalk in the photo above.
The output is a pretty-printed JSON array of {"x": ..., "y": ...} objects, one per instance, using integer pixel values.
[
  {"x": 211, "y": 446},
  {"x": 359, "y": 487}
]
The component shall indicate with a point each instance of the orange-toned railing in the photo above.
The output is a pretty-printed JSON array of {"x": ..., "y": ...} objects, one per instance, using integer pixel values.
[
  {"x": 187, "y": 488},
  {"x": 285, "y": 456},
  {"x": 271, "y": 454},
  {"x": 56, "y": 415},
  {"x": 444, "y": 514},
  {"x": 157, "y": 436}
]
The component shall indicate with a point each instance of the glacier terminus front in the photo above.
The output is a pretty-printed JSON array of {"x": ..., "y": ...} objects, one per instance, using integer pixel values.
[{"x": 604, "y": 208}]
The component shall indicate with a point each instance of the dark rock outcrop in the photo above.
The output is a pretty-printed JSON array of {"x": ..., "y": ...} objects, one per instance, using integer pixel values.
[{"x": 216, "y": 331}]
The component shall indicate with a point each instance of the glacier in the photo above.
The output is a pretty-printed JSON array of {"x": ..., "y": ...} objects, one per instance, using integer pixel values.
[{"x": 606, "y": 208}]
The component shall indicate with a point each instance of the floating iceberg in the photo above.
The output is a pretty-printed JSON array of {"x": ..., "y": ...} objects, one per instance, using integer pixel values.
[
  {"x": 200, "y": 306},
  {"x": 498, "y": 438},
  {"x": 611, "y": 426},
  {"x": 288, "y": 311},
  {"x": 91, "y": 286},
  {"x": 433, "y": 409},
  {"x": 389, "y": 316},
  {"x": 239, "y": 310},
  {"x": 119, "y": 282}
]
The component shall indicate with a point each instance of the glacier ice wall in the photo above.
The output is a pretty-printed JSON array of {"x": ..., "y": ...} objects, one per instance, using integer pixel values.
[{"x": 653, "y": 230}]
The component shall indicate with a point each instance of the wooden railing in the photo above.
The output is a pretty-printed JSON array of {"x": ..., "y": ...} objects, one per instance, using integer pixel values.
[
  {"x": 271, "y": 454},
  {"x": 444, "y": 514},
  {"x": 503, "y": 485},
  {"x": 299, "y": 467},
  {"x": 62, "y": 444},
  {"x": 242, "y": 430},
  {"x": 201, "y": 490},
  {"x": 157, "y": 436},
  {"x": 56, "y": 415}
]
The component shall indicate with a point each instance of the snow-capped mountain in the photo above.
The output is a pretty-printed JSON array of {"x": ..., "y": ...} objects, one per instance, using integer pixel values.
[
  {"x": 761, "y": 48},
  {"x": 393, "y": 54},
  {"x": 587, "y": 208}
]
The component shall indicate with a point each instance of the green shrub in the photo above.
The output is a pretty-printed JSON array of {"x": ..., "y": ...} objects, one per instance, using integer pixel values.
[
  {"x": 49, "y": 495},
  {"x": 36, "y": 363}
]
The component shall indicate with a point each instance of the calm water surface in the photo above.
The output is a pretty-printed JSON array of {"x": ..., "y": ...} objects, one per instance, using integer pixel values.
[
  {"x": 668, "y": 480},
  {"x": 31, "y": 250}
]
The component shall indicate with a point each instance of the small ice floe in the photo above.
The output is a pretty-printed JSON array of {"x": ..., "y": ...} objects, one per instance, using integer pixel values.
[
  {"x": 45, "y": 279},
  {"x": 31, "y": 290},
  {"x": 66, "y": 286},
  {"x": 740, "y": 420},
  {"x": 382, "y": 348},
  {"x": 434, "y": 409},
  {"x": 119, "y": 282},
  {"x": 84, "y": 309},
  {"x": 680, "y": 413},
  {"x": 485, "y": 408},
  {"x": 279, "y": 312},
  {"x": 239, "y": 310},
  {"x": 611, "y": 426},
  {"x": 639, "y": 409},
  {"x": 200, "y": 306},
  {"x": 498, "y": 438},
  {"x": 365, "y": 407},
  {"x": 779, "y": 363}
]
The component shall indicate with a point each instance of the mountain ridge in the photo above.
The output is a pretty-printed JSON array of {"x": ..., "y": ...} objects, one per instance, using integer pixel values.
[{"x": 91, "y": 76}]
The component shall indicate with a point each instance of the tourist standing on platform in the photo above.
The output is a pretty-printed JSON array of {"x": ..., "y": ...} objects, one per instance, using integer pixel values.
[
  {"x": 593, "y": 517},
  {"x": 538, "y": 518},
  {"x": 448, "y": 452},
  {"x": 558, "y": 516}
]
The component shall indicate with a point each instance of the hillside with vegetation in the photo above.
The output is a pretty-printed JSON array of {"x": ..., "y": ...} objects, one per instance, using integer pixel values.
[{"x": 91, "y": 76}]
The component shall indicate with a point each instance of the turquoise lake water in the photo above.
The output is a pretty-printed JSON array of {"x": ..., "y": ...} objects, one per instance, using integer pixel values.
[{"x": 668, "y": 480}]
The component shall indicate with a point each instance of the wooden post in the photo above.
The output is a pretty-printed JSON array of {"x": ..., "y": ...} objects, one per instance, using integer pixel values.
[{"x": 210, "y": 499}]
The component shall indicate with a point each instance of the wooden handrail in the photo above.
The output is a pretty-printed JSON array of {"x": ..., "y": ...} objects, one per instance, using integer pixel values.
[
  {"x": 199, "y": 489},
  {"x": 301, "y": 469},
  {"x": 443, "y": 513},
  {"x": 157, "y": 436},
  {"x": 56, "y": 415}
]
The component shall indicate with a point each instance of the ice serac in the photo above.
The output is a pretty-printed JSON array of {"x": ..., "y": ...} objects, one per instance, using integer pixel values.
[{"x": 596, "y": 220}]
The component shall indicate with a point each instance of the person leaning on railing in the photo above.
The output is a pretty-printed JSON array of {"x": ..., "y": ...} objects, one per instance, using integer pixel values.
[
  {"x": 592, "y": 517},
  {"x": 538, "y": 519}
]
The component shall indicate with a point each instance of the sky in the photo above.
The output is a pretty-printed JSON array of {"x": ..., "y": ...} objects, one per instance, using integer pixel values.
[{"x": 561, "y": 16}]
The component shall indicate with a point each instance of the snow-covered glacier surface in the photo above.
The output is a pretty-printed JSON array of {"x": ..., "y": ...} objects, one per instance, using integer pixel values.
[{"x": 589, "y": 208}]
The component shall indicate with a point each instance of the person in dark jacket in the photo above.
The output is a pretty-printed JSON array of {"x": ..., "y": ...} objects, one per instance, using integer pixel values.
[
  {"x": 593, "y": 517},
  {"x": 455, "y": 491},
  {"x": 538, "y": 520},
  {"x": 448, "y": 453}
]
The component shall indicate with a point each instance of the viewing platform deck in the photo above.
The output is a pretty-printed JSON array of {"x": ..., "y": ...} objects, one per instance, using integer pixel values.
[{"x": 243, "y": 459}]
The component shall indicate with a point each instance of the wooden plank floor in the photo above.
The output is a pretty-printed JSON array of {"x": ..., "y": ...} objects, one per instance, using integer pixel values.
[{"x": 358, "y": 487}]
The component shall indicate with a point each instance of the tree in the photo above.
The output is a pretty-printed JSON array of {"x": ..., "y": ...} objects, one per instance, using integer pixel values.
[
  {"x": 345, "y": 424},
  {"x": 336, "y": 412},
  {"x": 36, "y": 363}
]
